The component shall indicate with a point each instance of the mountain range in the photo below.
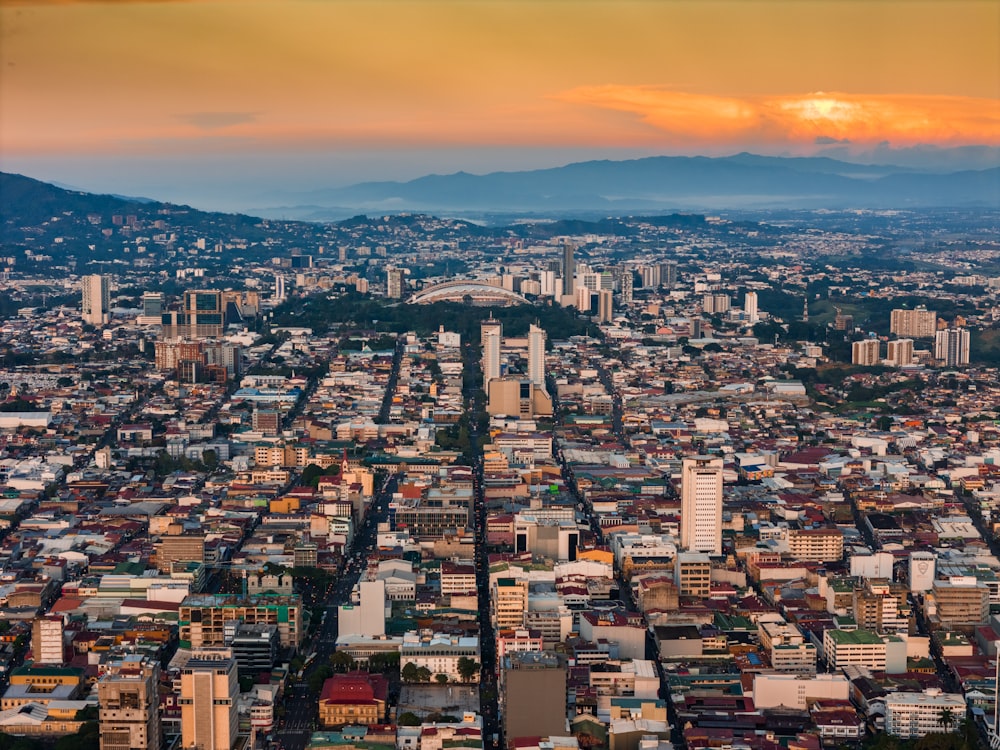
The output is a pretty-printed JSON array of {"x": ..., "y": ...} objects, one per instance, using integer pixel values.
[{"x": 743, "y": 181}]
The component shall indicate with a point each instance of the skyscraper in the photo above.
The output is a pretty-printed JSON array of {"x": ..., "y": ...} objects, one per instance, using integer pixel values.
[
  {"x": 701, "y": 504},
  {"x": 209, "y": 689},
  {"x": 604, "y": 306},
  {"x": 395, "y": 281},
  {"x": 536, "y": 356},
  {"x": 917, "y": 323},
  {"x": 951, "y": 346},
  {"x": 568, "y": 269},
  {"x": 491, "y": 332},
  {"x": 279, "y": 287},
  {"x": 129, "y": 702},
  {"x": 865, "y": 352},
  {"x": 750, "y": 307},
  {"x": 96, "y": 299},
  {"x": 47, "y": 639},
  {"x": 900, "y": 352}
]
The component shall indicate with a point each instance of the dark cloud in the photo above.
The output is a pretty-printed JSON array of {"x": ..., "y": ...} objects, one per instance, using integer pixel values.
[{"x": 825, "y": 140}]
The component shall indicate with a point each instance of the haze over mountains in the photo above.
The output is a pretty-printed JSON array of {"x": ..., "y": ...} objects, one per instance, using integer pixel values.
[{"x": 743, "y": 181}]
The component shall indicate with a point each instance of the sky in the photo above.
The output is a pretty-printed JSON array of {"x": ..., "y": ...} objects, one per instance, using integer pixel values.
[{"x": 225, "y": 103}]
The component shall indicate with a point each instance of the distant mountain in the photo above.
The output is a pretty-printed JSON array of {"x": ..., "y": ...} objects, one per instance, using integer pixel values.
[{"x": 668, "y": 182}]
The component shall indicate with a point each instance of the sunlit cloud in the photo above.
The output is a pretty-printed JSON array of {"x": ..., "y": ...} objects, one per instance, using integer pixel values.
[{"x": 684, "y": 118}]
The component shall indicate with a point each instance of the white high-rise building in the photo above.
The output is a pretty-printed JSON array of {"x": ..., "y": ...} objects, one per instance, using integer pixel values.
[
  {"x": 750, "y": 307},
  {"x": 922, "y": 571},
  {"x": 209, "y": 692},
  {"x": 279, "y": 287},
  {"x": 865, "y": 352},
  {"x": 491, "y": 333},
  {"x": 951, "y": 346},
  {"x": 900, "y": 352},
  {"x": 96, "y": 299},
  {"x": 367, "y": 617},
  {"x": 605, "y": 306},
  {"x": 395, "y": 280},
  {"x": 701, "y": 504},
  {"x": 47, "y": 640},
  {"x": 536, "y": 356}
]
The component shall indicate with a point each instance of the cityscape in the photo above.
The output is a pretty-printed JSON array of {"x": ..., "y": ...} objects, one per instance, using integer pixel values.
[{"x": 465, "y": 375}]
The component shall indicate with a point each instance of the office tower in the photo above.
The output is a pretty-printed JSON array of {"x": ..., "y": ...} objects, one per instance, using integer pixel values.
[
  {"x": 568, "y": 269},
  {"x": 534, "y": 695},
  {"x": 900, "y": 352},
  {"x": 584, "y": 300},
  {"x": 713, "y": 304},
  {"x": 279, "y": 287},
  {"x": 152, "y": 304},
  {"x": 47, "y": 639},
  {"x": 129, "y": 700},
  {"x": 951, "y": 346},
  {"x": 491, "y": 332},
  {"x": 96, "y": 299},
  {"x": 651, "y": 276},
  {"x": 209, "y": 689},
  {"x": 701, "y": 504},
  {"x": 750, "y": 307},
  {"x": 668, "y": 274},
  {"x": 201, "y": 316},
  {"x": 917, "y": 323},
  {"x": 604, "y": 306},
  {"x": 395, "y": 283},
  {"x": 865, "y": 353},
  {"x": 922, "y": 571},
  {"x": 536, "y": 356},
  {"x": 625, "y": 284}
]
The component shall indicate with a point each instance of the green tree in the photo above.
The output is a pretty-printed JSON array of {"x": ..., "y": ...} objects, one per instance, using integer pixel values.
[
  {"x": 946, "y": 719},
  {"x": 408, "y": 719},
  {"x": 441, "y": 678},
  {"x": 342, "y": 661},
  {"x": 409, "y": 672},
  {"x": 311, "y": 475},
  {"x": 423, "y": 674},
  {"x": 467, "y": 668}
]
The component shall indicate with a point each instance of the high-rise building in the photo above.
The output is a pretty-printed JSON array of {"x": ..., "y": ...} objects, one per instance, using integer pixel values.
[
  {"x": 583, "y": 300},
  {"x": 668, "y": 274},
  {"x": 917, "y": 323},
  {"x": 129, "y": 699},
  {"x": 715, "y": 303},
  {"x": 568, "y": 269},
  {"x": 536, "y": 355},
  {"x": 605, "y": 306},
  {"x": 624, "y": 284},
  {"x": 951, "y": 347},
  {"x": 96, "y": 299},
  {"x": 865, "y": 352},
  {"x": 152, "y": 304},
  {"x": 651, "y": 276},
  {"x": 279, "y": 287},
  {"x": 491, "y": 333},
  {"x": 900, "y": 352},
  {"x": 395, "y": 283},
  {"x": 534, "y": 695},
  {"x": 209, "y": 689},
  {"x": 202, "y": 316},
  {"x": 367, "y": 618},
  {"x": 922, "y": 570},
  {"x": 47, "y": 639},
  {"x": 750, "y": 307},
  {"x": 701, "y": 504}
]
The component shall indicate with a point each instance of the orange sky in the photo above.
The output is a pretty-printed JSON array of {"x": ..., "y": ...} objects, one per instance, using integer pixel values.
[{"x": 161, "y": 77}]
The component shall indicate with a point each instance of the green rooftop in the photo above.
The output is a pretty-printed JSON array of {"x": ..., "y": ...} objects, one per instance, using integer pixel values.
[{"x": 853, "y": 637}]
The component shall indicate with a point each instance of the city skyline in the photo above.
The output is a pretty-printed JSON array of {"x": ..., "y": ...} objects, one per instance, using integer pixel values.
[{"x": 215, "y": 99}]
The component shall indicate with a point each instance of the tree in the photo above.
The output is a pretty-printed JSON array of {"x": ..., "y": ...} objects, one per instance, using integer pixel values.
[
  {"x": 408, "y": 719},
  {"x": 342, "y": 661},
  {"x": 441, "y": 678},
  {"x": 946, "y": 719},
  {"x": 311, "y": 474},
  {"x": 423, "y": 674},
  {"x": 467, "y": 668},
  {"x": 409, "y": 672}
]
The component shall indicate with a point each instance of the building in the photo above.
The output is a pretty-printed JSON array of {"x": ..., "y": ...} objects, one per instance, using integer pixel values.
[
  {"x": 788, "y": 648},
  {"x": 798, "y": 691},
  {"x": 882, "y": 606},
  {"x": 518, "y": 397},
  {"x": 209, "y": 689},
  {"x": 96, "y": 307},
  {"x": 355, "y": 698},
  {"x": 509, "y": 600},
  {"x": 439, "y": 653},
  {"x": 254, "y": 647},
  {"x": 546, "y": 537},
  {"x": 47, "y": 640},
  {"x": 395, "y": 282},
  {"x": 568, "y": 270},
  {"x": 693, "y": 574},
  {"x": 536, "y": 356},
  {"x": 129, "y": 699},
  {"x": 816, "y": 545},
  {"x": 367, "y": 618},
  {"x": 863, "y": 648},
  {"x": 202, "y": 617},
  {"x": 491, "y": 334},
  {"x": 152, "y": 307},
  {"x": 750, "y": 308},
  {"x": 605, "y": 306},
  {"x": 201, "y": 361},
  {"x": 715, "y": 304},
  {"x": 279, "y": 288},
  {"x": 951, "y": 347},
  {"x": 960, "y": 600},
  {"x": 900, "y": 352},
  {"x": 922, "y": 571},
  {"x": 534, "y": 695},
  {"x": 919, "y": 323},
  {"x": 865, "y": 352},
  {"x": 910, "y": 715},
  {"x": 202, "y": 316},
  {"x": 701, "y": 504}
]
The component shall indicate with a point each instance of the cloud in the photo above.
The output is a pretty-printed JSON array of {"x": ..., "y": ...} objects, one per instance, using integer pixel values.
[
  {"x": 216, "y": 120},
  {"x": 810, "y": 118},
  {"x": 825, "y": 140}
]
